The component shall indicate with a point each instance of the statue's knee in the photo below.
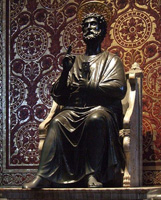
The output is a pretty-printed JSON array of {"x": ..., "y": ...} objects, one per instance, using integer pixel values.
[{"x": 97, "y": 117}]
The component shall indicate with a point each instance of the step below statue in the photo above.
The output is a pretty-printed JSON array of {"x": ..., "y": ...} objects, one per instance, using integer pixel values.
[{"x": 82, "y": 147}]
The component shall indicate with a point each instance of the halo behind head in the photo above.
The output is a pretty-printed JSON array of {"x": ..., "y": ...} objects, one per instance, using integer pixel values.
[{"x": 94, "y": 7}]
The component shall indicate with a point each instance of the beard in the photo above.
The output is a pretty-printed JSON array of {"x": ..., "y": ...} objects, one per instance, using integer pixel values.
[{"x": 92, "y": 35}]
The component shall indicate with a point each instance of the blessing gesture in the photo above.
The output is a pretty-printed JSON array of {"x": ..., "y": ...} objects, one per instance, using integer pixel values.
[{"x": 68, "y": 61}]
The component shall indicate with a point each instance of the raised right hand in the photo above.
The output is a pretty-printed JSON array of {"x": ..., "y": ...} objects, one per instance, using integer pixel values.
[{"x": 68, "y": 61}]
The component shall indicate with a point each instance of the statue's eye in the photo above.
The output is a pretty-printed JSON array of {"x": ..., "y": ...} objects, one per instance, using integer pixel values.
[
  {"x": 85, "y": 25},
  {"x": 93, "y": 23}
]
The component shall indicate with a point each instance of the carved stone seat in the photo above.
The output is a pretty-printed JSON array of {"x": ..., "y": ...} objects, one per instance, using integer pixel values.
[{"x": 132, "y": 127}]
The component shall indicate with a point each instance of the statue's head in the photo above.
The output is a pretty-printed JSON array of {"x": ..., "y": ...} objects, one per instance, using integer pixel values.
[
  {"x": 96, "y": 14},
  {"x": 94, "y": 26}
]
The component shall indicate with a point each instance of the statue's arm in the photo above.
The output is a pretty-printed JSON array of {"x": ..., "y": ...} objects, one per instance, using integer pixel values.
[{"x": 60, "y": 90}]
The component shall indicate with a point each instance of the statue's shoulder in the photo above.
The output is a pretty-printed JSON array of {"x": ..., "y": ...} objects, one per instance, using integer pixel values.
[{"x": 112, "y": 56}]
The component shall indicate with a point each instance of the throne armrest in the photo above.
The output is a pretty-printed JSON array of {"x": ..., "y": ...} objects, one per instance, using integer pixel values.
[
  {"x": 44, "y": 124},
  {"x": 133, "y": 96}
]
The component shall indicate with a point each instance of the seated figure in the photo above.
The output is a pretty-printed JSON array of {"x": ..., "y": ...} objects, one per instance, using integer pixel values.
[{"x": 82, "y": 143}]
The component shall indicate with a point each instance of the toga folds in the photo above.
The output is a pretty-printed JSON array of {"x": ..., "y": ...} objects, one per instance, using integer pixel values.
[{"x": 83, "y": 138}]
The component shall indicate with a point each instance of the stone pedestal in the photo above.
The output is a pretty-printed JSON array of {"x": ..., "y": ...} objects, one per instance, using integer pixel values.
[{"x": 138, "y": 193}]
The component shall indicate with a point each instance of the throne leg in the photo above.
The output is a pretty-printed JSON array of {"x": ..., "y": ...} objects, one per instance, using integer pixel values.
[{"x": 126, "y": 146}]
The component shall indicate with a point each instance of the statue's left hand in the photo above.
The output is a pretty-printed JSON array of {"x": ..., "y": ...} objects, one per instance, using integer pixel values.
[
  {"x": 83, "y": 84},
  {"x": 80, "y": 86}
]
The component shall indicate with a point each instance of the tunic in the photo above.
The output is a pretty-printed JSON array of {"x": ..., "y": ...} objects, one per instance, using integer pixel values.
[{"x": 83, "y": 138}]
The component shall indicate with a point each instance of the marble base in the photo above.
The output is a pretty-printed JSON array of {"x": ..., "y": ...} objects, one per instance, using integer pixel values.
[{"x": 136, "y": 193}]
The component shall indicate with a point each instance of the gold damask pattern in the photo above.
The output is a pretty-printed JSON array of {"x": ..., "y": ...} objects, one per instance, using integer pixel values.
[
  {"x": 71, "y": 35},
  {"x": 152, "y": 85},
  {"x": 32, "y": 43},
  {"x": 16, "y": 7},
  {"x": 37, "y": 36},
  {"x": 53, "y": 4},
  {"x": 132, "y": 29}
]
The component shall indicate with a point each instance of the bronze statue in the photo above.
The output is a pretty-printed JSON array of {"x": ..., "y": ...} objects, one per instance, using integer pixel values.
[{"x": 82, "y": 144}]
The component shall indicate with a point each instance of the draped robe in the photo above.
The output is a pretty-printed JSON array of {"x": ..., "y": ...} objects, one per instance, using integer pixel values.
[{"x": 83, "y": 138}]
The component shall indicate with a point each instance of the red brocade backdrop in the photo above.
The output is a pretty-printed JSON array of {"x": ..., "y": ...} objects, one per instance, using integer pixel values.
[{"x": 33, "y": 43}]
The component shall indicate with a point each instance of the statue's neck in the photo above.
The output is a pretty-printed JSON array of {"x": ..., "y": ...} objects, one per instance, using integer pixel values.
[{"x": 93, "y": 49}]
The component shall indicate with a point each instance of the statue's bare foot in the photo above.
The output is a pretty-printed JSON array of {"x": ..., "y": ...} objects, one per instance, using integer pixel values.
[
  {"x": 93, "y": 183},
  {"x": 37, "y": 182},
  {"x": 126, "y": 181}
]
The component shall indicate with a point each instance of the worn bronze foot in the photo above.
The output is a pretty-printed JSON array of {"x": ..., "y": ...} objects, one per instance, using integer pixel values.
[
  {"x": 37, "y": 183},
  {"x": 93, "y": 183}
]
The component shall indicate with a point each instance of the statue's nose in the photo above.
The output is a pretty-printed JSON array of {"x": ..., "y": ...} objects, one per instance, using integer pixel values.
[{"x": 89, "y": 25}]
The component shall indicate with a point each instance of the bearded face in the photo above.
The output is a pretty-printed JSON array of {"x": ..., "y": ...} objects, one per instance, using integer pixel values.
[{"x": 91, "y": 29}]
